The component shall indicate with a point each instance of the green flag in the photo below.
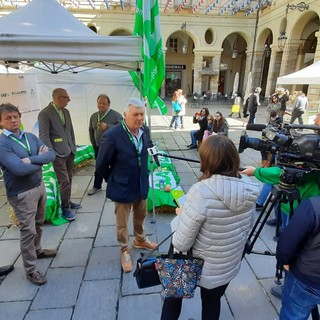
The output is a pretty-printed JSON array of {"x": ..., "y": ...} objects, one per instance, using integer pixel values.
[{"x": 147, "y": 26}]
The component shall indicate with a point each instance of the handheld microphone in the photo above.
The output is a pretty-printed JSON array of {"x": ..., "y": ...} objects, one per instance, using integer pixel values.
[
  {"x": 153, "y": 151},
  {"x": 256, "y": 127}
]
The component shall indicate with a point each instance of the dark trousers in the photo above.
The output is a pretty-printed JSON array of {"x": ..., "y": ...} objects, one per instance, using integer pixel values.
[
  {"x": 98, "y": 179},
  {"x": 251, "y": 118},
  {"x": 63, "y": 167},
  {"x": 211, "y": 304}
]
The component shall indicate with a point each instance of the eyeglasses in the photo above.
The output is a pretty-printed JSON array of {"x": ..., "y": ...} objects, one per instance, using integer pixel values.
[
  {"x": 65, "y": 97},
  {"x": 210, "y": 119}
]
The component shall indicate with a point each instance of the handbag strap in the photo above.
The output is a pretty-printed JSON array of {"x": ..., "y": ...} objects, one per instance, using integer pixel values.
[
  {"x": 171, "y": 253},
  {"x": 144, "y": 257}
]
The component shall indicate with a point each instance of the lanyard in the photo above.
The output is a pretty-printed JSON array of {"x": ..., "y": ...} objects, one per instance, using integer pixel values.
[
  {"x": 101, "y": 118},
  {"x": 137, "y": 143},
  {"x": 60, "y": 113},
  {"x": 25, "y": 146}
]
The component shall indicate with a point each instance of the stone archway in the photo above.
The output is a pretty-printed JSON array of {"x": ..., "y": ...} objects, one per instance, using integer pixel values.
[
  {"x": 179, "y": 62},
  {"x": 233, "y": 60}
]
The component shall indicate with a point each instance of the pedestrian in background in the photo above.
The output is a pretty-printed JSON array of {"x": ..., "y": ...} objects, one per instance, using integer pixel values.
[
  {"x": 176, "y": 109},
  {"x": 219, "y": 126},
  {"x": 253, "y": 104},
  {"x": 123, "y": 163},
  {"x": 22, "y": 155},
  {"x": 182, "y": 101},
  {"x": 101, "y": 121},
  {"x": 56, "y": 131},
  {"x": 197, "y": 135}
]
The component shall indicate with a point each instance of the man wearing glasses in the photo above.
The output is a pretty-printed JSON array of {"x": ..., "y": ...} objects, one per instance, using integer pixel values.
[{"x": 56, "y": 131}]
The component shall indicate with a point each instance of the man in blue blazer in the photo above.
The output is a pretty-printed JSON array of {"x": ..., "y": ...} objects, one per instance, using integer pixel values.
[{"x": 123, "y": 162}]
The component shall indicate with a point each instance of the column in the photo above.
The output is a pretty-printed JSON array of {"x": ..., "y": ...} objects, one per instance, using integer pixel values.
[{"x": 197, "y": 67}]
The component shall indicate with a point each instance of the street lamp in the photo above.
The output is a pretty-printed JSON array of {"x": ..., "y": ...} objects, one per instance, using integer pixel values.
[
  {"x": 282, "y": 39},
  {"x": 301, "y": 6},
  {"x": 185, "y": 43}
]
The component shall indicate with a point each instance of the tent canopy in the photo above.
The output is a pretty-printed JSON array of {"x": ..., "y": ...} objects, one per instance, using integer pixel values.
[
  {"x": 45, "y": 31},
  {"x": 308, "y": 75}
]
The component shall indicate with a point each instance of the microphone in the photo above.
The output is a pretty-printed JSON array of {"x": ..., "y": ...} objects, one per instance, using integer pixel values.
[
  {"x": 153, "y": 151},
  {"x": 256, "y": 127},
  {"x": 304, "y": 126}
]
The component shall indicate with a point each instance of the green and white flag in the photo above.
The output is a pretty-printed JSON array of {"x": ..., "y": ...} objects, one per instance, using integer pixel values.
[{"x": 147, "y": 26}]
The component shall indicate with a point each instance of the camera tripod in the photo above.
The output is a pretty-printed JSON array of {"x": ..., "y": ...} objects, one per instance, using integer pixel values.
[{"x": 283, "y": 193}]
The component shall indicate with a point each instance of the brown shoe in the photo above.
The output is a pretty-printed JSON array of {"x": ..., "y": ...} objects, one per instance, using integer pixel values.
[
  {"x": 37, "y": 278},
  {"x": 47, "y": 253},
  {"x": 126, "y": 262},
  {"x": 146, "y": 244}
]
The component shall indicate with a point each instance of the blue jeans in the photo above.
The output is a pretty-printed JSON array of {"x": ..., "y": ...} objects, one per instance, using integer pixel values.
[
  {"x": 193, "y": 137},
  {"x": 175, "y": 121},
  {"x": 298, "y": 299},
  {"x": 264, "y": 192}
]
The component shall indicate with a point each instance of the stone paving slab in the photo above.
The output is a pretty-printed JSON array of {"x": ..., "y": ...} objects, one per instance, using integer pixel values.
[
  {"x": 11, "y": 233},
  {"x": 108, "y": 216},
  {"x": 140, "y": 307},
  {"x": 50, "y": 314},
  {"x": 62, "y": 289},
  {"x": 244, "y": 293},
  {"x": 14, "y": 310},
  {"x": 85, "y": 226},
  {"x": 104, "y": 263},
  {"x": 73, "y": 253},
  {"x": 97, "y": 300}
]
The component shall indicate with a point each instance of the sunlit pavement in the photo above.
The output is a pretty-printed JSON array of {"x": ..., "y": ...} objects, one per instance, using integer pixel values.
[{"x": 85, "y": 280}]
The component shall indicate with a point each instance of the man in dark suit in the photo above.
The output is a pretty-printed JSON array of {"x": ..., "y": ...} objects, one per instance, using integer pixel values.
[
  {"x": 123, "y": 162},
  {"x": 101, "y": 121},
  {"x": 56, "y": 131}
]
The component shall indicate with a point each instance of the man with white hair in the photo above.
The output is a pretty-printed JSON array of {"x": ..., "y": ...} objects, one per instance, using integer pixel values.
[{"x": 123, "y": 162}]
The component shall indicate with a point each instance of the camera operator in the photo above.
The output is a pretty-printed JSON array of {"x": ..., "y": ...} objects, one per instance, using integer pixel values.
[
  {"x": 298, "y": 251},
  {"x": 308, "y": 186}
]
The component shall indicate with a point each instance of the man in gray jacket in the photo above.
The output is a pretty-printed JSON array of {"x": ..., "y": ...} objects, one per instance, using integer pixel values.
[
  {"x": 56, "y": 131},
  {"x": 101, "y": 121}
]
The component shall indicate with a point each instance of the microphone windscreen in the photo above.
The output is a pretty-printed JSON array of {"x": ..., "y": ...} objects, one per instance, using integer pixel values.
[{"x": 256, "y": 127}]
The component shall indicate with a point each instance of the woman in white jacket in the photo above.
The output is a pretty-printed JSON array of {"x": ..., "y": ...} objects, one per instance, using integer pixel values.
[{"x": 215, "y": 221}]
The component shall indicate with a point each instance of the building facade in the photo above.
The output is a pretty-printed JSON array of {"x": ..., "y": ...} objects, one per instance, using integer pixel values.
[{"x": 208, "y": 44}]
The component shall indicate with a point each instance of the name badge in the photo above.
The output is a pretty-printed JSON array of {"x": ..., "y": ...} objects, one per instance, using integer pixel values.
[{"x": 58, "y": 140}]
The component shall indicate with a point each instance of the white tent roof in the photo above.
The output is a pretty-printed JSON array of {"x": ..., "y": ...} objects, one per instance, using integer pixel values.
[
  {"x": 44, "y": 31},
  {"x": 308, "y": 75}
]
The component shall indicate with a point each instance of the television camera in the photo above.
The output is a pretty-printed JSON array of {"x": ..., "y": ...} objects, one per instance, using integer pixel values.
[{"x": 293, "y": 148}]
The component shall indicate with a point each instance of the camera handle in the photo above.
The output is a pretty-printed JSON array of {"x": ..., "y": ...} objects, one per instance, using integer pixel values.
[{"x": 279, "y": 195}]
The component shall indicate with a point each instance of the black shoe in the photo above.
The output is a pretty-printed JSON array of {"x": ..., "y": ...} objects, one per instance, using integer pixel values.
[
  {"x": 272, "y": 222},
  {"x": 193, "y": 146},
  {"x": 259, "y": 207},
  {"x": 277, "y": 291},
  {"x": 189, "y": 145},
  {"x": 74, "y": 205},
  {"x": 5, "y": 270}
]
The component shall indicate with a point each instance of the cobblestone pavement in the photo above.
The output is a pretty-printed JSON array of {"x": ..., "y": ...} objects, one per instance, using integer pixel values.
[{"x": 85, "y": 280}]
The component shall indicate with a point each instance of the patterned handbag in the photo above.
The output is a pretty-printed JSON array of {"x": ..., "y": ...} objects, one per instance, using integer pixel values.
[{"x": 179, "y": 273}]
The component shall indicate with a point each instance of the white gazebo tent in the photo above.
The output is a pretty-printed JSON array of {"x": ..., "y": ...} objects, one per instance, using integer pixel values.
[
  {"x": 44, "y": 31},
  {"x": 308, "y": 75}
]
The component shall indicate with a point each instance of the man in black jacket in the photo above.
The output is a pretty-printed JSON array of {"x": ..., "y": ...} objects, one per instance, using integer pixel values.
[{"x": 298, "y": 250}]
